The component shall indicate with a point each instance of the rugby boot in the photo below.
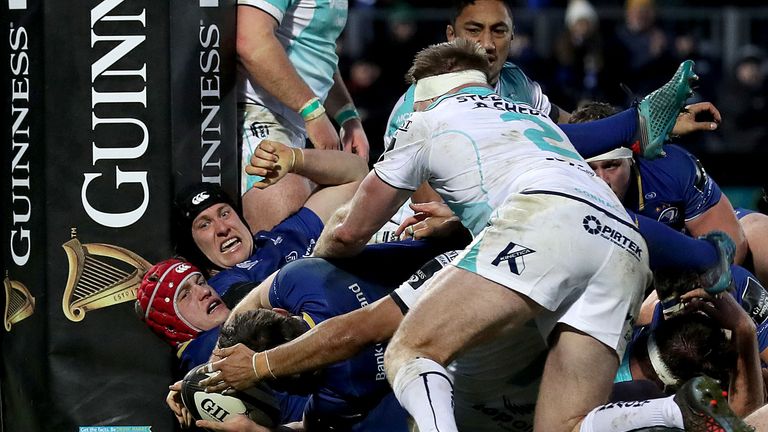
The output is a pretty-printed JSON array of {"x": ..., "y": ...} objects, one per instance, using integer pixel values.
[
  {"x": 658, "y": 111},
  {"x": 705, "y": 408},
  {"x": 719, "y": 278}
]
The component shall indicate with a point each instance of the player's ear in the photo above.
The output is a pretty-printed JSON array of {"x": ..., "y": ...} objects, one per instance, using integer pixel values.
[
  {"x": 281, "y": 311},
  {"x": 450, "y": 32}
]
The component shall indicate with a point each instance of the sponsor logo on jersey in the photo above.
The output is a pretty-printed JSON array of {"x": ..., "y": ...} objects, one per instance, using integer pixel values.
[
  {"x": 247, "y": 264},
  {"x": 293, "y": 256},
  {"x": 513, "y": 255},
  {"x": 754, "y": 300},
  {"x": 669, "y": 215},
  {"x": 593, "y": 225}
]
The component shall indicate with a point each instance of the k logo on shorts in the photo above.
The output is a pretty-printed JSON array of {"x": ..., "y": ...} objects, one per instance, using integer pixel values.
[{"x": 513, "y": 254}]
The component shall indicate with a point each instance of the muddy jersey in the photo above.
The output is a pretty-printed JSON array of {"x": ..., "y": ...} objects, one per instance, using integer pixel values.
[
  {"x": 476, "y": 149},
  {"x": 513, "y": 84}
]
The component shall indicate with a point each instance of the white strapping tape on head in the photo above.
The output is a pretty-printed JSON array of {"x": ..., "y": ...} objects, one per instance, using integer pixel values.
[
  {"x": 663, "y": 372},
  {"x": 617, "y": 153},
  {"x": 438, "y": 85}
]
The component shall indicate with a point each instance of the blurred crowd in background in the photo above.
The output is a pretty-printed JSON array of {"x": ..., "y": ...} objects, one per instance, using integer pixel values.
[{"x": 608, "y": 50}]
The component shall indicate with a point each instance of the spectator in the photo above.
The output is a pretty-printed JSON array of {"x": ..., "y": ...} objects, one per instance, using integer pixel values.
[
  {"x": 579, "y": 54},
  {"x": 744, "y": 104},
  {"x": 643, "y": 51}
]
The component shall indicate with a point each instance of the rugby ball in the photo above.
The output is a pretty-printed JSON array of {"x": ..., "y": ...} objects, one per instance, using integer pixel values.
[{"x": 257, "y": 402}]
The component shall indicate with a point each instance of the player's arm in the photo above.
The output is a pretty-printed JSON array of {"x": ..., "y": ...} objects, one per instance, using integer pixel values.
[
  {"x": 746, "y": 386},
  {"x": 336, "y": 339},
  {"x": 351, "y": 228},
  {"x": 268, "y": 65},
  {"x": 333, "y": 340},
  {"x": 720, "y": 217},
  {"x": 339, "y": 104},
  {"x": 258, "y": 298},
  {"x": 338, "y": 173}
]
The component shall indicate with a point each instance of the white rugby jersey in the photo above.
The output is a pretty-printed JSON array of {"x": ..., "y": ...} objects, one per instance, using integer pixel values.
[
  {"x": 513, "y": 84},
  {"x": 308, "y": 30},
  {"x": 476, "y": 149}
]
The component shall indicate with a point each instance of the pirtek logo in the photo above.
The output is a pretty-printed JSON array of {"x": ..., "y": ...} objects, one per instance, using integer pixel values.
[
  {"x": 202, "y": 196},
  {"x": 593, "y": 226},
  {"x": 214, "y": 410}
]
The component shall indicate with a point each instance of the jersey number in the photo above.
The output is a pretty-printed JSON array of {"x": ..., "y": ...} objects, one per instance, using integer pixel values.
[{"x": 537, "y": 135}]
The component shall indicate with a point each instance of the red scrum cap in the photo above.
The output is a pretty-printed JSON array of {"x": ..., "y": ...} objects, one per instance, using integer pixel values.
[{"x": 156, "y": 300}]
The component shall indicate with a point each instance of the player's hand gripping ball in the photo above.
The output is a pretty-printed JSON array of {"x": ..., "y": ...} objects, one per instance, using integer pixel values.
[{"x": 257, "y": 402}]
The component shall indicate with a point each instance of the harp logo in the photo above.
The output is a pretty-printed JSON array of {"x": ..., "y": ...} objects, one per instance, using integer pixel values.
[
  {"x": 19, "y": 303},
  {"x": 100, "y": 275}
]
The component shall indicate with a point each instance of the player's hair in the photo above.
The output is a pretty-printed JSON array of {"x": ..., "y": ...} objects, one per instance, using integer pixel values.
[
  {"x": 592, "y": 111},
  {"x": 262, "y": 329},
  {"x": 693, "y": 344},
  {"x": 455, "y": 56},
  {"x": 460, "y": 5}
]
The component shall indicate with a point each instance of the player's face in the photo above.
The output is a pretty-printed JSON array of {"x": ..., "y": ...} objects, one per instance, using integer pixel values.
[
  {"x": 199, "y": 304},
  {"x": 488, "y": 23},
  {"x": 615, "y": 172},
  {"x": 222, "y": 236}
]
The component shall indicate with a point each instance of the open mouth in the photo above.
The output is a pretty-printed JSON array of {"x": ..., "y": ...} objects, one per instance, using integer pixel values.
[
  {"x": 214, "y": 304},
  {"x": 230, "y": 244}
]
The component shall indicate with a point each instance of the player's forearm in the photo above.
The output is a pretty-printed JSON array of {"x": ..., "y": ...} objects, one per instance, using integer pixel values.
[
  {"x": 746, "y": 389},
  {"x": 331, "y": 341},
  {"x": 332, "y": 167},
  {"x": 257, "y": 298},
  {"x": 268, "y": 65},
  {"x": 338, "y": 96},
  {"x": 333, "y": 244}
]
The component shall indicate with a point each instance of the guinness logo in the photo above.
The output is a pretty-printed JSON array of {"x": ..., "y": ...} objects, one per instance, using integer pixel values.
[
  {"x": 202, "y": 196},
  {"x": 19, "y": 303},
  {"x": 100, "y": 275}
]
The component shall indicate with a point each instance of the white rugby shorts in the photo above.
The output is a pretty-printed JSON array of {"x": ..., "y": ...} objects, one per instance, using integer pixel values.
[
  {"x": 259, "y": 124},
  {"x": 588, "y": 268}
]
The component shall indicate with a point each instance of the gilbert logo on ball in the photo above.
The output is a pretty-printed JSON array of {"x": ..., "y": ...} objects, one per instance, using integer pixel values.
[{"x": 257, "y": 402}]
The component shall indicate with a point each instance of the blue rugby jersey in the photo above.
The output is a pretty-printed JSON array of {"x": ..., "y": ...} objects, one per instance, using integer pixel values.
[
  {"x": 673, "y": 189},
  {"x": 291, "y": 239}
]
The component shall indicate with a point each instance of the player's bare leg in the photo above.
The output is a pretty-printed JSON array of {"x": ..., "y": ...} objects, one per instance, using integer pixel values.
[{"x": 460, "y": 309}]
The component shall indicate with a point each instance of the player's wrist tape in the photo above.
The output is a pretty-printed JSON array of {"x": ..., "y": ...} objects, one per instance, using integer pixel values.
[
  {"x": 269, "y": 368},
  {"x": 345, "y": 114},
  {"x": 257, "y": 366},
  {"x": 312, "y": 109},
  {"x": 253, "y": 363},
  {"x": 297, "y": 160}
]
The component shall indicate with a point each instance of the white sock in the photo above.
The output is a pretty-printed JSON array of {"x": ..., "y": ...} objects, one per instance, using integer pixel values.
[
  {"x": 628, "y": 416},
  {"x": 425, "y": 390}
]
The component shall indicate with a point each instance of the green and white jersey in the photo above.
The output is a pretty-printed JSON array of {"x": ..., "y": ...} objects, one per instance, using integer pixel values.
[
  {"x": 476, "y": 149},
  {"x": 308, "y": 30},
  {"x": 513, "y": 84}
]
